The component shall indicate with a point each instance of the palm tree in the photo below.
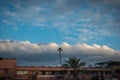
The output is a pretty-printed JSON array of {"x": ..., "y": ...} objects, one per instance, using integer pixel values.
[
  {"x": 34, "y": 75},
  {"x": 75, "y": 64}
]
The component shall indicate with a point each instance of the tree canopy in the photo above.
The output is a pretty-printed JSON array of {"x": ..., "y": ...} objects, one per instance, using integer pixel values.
[{"x": 73, "y": 62}]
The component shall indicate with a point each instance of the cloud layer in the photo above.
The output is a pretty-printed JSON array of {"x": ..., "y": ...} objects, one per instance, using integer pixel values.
[{"x": 28, "y": 53}]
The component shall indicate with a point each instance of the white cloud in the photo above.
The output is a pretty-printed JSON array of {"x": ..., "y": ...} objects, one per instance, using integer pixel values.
[
  {"x": 8, "y": 22},
  {"x": 48, "y": 52},
  {"x": 9, "y": 13},
  {"x": 40, "y": 24}
]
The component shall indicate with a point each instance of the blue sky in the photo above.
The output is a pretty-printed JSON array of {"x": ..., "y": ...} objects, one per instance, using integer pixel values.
[{"x": 57, "y": 21}]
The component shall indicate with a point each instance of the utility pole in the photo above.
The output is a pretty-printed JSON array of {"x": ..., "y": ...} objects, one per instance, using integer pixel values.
[{"x": 60, "y": 50}]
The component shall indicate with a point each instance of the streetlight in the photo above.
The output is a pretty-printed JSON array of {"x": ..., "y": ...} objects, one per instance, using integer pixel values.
[{"x": 60, "y": 50}]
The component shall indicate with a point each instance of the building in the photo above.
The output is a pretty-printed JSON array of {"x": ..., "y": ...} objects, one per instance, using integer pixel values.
[
  {"x": 7, "y": 68},
  {"x": 108, "y": 64},
  {"x": 10, "y": 71}
]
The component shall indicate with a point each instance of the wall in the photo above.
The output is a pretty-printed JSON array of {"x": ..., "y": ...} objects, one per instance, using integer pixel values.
[{"x": 7, "y": 68}]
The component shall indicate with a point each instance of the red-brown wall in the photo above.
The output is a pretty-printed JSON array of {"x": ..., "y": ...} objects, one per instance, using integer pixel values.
[{"x": 7, "y": 68}]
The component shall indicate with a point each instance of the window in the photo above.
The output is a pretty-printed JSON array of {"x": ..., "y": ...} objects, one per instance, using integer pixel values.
[
  {"x": 101, "y": 72},
  {"x": 63, "y": 72},
  {"x": 22, "y": 72},
  {"x": 94, "y": 72},
  {"x": 5, "y": 70},
  {"x": 107, "y": 72},
  {"x": 117, "y": 71},
  {"x": 43, "y": 73},
  {"x": 53, "y": 73},
  {"x": 48, "y": 73}
]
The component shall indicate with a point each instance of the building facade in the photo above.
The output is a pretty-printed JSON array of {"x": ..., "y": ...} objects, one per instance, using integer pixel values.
[
  {"x": 7, "y": 68},
  {"x": 10, "y": 71}
]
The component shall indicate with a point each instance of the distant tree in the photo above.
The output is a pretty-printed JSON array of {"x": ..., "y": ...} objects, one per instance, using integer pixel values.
[{"x": 75, "y": 64}]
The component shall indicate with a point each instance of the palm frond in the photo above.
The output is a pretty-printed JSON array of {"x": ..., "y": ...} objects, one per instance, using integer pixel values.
[{"x": 74, "y": 62}]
